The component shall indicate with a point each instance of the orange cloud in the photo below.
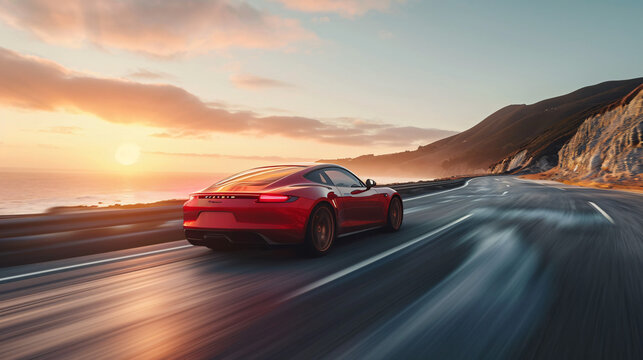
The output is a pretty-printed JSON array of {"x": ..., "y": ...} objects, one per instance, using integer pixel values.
[
  {"x": 159, "y": 28},
  {"x": 253, "y": 82},
  {"x": 145, "y": 74},
  {"x": 237, "y": 157},
  {"x": 346, "y": 8},
  {"x": 35, "y": 83}
]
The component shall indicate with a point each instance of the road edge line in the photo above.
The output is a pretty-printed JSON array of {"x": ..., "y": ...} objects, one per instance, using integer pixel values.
[
  {"x": 437, "y": 193},
  {"x": 90, "y": 263}
]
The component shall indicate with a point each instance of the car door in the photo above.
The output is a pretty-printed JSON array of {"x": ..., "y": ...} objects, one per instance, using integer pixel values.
[
  {"x": 362, "y": 206},
  {"x": 370, "y": 206}
]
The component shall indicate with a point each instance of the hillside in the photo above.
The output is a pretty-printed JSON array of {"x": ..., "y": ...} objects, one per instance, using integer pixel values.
[
  {"x": 539, "y": 129},
  {"x": 607, "y": 148}
]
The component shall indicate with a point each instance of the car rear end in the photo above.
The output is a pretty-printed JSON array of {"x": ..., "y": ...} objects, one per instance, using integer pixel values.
[{"x": 248, "y": 211}]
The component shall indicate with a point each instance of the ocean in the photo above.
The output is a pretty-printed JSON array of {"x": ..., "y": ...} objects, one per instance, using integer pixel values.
[{"x": 29, "y": 192}]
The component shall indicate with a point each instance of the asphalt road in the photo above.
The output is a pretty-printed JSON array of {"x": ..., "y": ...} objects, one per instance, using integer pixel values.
[{"x": 500, "y": 268}]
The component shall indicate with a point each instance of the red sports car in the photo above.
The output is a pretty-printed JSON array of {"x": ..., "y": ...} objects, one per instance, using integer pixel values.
[{"x": 289, "y": 204}]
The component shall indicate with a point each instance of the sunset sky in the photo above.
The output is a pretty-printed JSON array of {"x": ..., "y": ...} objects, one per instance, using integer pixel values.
[{"x": 225, "y": 85}]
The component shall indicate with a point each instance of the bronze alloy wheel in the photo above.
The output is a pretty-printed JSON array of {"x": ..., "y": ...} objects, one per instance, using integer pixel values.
[
  {"x": 395, "y": 214},
  {"x": 321, "y": 231}
]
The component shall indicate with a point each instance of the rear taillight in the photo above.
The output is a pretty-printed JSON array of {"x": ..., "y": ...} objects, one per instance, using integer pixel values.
[{"x": 270, "y": 198}]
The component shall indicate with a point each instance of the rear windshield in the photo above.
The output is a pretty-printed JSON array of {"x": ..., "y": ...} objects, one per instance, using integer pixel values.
[{"x": 260, "y": 176}]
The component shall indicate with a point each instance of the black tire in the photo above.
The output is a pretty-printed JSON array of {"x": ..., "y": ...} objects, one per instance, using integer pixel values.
[
  {"x": 395, "y": 214},
  {"x": 321, "y": 231}
]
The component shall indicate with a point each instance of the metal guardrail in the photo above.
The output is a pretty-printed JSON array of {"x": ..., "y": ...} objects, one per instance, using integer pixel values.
[
  {"x": 85, "y": 220},
  {"x": 38, "y": 238},
  {"x": 46, "y": 237},
  {"x": 423, "y": 186},
  {"x": 420, "y": 184}
]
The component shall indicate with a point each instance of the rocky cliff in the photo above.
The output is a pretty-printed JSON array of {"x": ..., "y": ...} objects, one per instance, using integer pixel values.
[
  {"x": 608, "y": 147},
  {"x": 605, "y": 148}
]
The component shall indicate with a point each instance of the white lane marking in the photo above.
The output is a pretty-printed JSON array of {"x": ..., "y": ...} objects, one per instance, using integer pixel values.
[
  {"x": 364, "y": 263},
  {"x": 504, "y": 193},
  {"x": 561, "y": 189},
  {"x": 104, "y": 261},
  {"x": 606, "y": 215},
  {"x": 437, "y": 193},
  {"x": 507, "y": 186}
]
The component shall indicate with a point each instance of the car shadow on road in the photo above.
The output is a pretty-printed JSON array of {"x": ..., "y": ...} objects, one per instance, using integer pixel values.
[{"x": 346, "y": 249}]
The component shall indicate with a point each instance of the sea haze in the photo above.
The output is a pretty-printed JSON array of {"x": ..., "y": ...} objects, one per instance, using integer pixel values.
[
  {"x": 28, "y": 192},
  {"x": 31, "y": 192}
]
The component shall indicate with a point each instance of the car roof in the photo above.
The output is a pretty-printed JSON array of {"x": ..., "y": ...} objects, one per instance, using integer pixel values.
[
  {"x": 306, "y": 165},
  {"x": 305, "y": 168},
  {"x": 229, "y": 184}
]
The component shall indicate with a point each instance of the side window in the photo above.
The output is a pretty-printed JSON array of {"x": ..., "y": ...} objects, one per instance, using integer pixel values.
[
  {"x": 342, "y": 178},
  {"x": 318, "y": 176}
]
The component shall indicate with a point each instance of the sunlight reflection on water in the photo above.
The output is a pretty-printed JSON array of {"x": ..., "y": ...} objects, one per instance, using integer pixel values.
[{"x": 34, "y": 192}]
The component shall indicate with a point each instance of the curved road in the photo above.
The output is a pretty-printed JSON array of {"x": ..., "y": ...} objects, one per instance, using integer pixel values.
[{"x": 499, "y": 268}]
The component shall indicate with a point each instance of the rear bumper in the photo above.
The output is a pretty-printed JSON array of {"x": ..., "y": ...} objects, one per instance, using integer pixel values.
[{"x": 245, "y": 238}]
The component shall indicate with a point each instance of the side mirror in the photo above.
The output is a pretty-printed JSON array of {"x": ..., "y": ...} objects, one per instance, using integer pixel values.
[{"x": 370, "y": 183}]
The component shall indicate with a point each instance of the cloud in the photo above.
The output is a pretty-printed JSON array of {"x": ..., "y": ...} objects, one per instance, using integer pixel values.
[
  {"x": 145, "y": 74},
  {"x": 345, "y": 8},
  {"x": 159, "y": 28},
  {"x": 63, "y": 130},
  {"x": 38, "y": 84},
  {"x": 253, "y": 82},
  {"x": 183, "y": 134},
  {"x": 237, "y": 157}
]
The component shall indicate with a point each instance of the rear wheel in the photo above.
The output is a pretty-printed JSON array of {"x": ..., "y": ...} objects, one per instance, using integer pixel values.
[
  {"x": 395, "y": 214},
  {"x": 320, "y": 233}
]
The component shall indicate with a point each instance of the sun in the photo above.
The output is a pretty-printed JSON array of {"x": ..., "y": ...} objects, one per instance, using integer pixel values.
[{"x": 127, "y": 154}]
